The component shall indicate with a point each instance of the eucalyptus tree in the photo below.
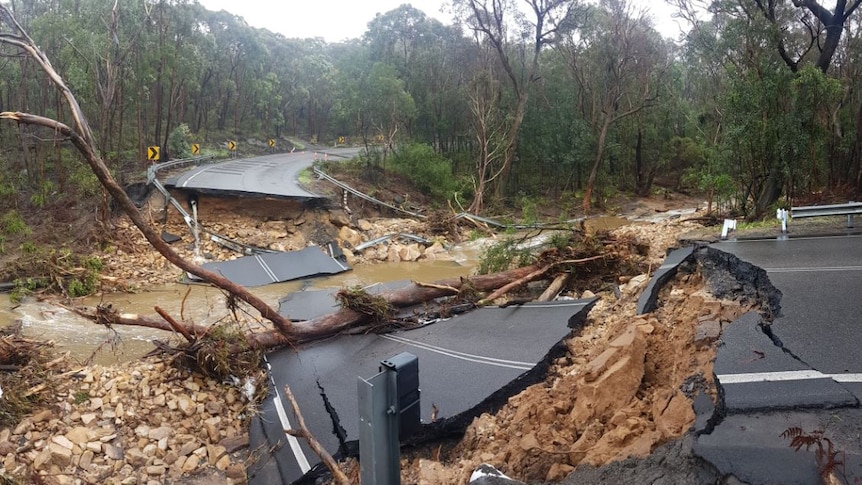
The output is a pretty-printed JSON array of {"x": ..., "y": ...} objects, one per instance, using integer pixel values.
[
  {"x": 618, "y": 61},
  {"x": 783, "y": 126},
  {"x": 517, "y": 39}
]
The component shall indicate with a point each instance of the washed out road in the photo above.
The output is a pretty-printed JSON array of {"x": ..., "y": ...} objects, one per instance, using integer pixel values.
[{"x": 801, "y": 373}]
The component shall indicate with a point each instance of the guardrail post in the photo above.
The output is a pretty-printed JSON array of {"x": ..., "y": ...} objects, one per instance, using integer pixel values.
[
  {"x": 388, "y": 411},
  {"x": 849, "y": 220},
  {"x": 781, "y": 215}
]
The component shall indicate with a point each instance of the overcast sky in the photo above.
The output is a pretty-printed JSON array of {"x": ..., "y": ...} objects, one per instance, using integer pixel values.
[{"x": 336, "y": 20}]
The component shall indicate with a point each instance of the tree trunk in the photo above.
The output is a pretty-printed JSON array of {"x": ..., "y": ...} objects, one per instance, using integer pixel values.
[
  {"x": 600, "y": 151},
  {"x": 343, "y": 319},
  {"x": 82, "y": 138}
]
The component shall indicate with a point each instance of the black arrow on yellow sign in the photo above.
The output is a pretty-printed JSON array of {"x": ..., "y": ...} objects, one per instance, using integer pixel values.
[
  {"x": 152, "y": 153},
  {"x": 196, "y": 148},
  {"x": 271, "y": 143},
  {"x": 231, "y": 145}
]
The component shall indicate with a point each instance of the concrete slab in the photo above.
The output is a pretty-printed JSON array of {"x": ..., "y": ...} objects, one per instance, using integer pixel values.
[
  {"x": 648, "y": 299},
  {"x": 265, "y": 269},
  {"x": 468, "y": 364}
]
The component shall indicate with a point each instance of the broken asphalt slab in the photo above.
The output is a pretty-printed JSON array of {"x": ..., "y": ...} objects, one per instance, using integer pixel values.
[
  {"x": 756, "y": 374},
  {"x": 649, "y": 298},
  {"x": 468, "y": 365},
  {"x": 795, "y": 375},
  {"x": 268, "y": 268}
]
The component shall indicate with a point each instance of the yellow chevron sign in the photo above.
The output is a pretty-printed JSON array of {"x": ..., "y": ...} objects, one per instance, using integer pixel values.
[
  {"x": 231, "y": 145},
  {"x": 196, "y": 148},
  {"x": 271, "y": 143},
  {"x": 152, "y": 153}
]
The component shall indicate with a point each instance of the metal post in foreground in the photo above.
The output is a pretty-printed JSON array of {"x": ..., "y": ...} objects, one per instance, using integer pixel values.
[{"x": 388, "y": 410}]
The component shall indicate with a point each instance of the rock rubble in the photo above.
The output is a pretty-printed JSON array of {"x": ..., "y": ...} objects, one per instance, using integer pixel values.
[{"x": 141, "y": 423}]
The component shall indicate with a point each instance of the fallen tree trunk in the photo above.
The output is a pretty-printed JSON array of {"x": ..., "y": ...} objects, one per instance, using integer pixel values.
[{"x": 331, "y": 323}]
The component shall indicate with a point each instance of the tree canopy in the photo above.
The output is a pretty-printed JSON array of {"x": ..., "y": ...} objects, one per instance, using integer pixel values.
[{"x": 757, "y": 105}]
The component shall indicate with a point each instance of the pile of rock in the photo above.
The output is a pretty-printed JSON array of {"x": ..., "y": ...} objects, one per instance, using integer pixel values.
[{"x": 140, "y": 422}]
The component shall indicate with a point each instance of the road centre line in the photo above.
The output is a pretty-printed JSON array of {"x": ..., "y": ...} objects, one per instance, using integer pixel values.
[
  {"x": 792, "y": 375},
  {"x": 511, "y": 364}
]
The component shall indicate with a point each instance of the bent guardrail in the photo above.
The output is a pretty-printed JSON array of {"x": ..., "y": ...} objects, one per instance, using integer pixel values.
[{"x": 190, "y": 221}]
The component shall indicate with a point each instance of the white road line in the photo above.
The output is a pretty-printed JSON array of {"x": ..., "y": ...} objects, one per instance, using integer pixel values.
[
  {"x": 291, "y": 440},
  {"x": 814, "y": 269},
  {"x": 194, "y": 175},
  {"x": 510, "y": 364},
  {"x": 266, "y": 268},
  {"x": 301, "y": 459},
  {"x": 792, "y": 375}
]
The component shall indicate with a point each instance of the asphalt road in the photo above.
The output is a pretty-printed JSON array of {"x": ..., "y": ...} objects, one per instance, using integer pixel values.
[
  {"x": 803, "y": 372},
  {"x": 266, "y": 176},
  {"x": 820, "y": 326}
]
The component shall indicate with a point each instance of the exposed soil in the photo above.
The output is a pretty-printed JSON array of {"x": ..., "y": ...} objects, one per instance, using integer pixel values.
[{"x": 623, "y": 391}]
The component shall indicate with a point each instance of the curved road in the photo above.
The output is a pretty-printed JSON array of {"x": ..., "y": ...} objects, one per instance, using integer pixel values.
[{"x": 266, "y": 176}]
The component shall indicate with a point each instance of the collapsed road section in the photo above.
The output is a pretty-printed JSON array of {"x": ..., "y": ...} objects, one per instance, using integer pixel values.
[
  {"x": 268, "y": 268},
  {"x": 468, "y": 365}
]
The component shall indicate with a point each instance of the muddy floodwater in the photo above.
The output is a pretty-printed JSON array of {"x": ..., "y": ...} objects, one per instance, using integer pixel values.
[{"x": 200, "y": 304}]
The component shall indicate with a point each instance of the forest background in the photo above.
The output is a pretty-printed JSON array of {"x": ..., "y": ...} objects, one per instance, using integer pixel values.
[{"x": 550, "y": 102}]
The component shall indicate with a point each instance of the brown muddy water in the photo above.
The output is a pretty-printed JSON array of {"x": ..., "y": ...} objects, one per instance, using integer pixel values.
[{"x": 200, "y": 304}]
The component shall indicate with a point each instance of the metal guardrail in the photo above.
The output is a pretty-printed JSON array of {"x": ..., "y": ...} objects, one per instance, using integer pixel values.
[
  {"x": 359, "y": 194},
  {"x": 849, "y": 209},
  {"x": 190, "y": 221}
]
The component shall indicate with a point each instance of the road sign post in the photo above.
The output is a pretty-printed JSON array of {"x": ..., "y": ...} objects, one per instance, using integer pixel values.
[{"x": 231, "y": 146}]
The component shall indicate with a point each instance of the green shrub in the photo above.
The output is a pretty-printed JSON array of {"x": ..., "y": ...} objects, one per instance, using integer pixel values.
[
  {"x": 431, "y": 172},
  {"x": 504, "y": 255},
  {"x": 13, "y": 224},
  {"x": 178, "y": 144},
  {"x": 83, "y": 178}
]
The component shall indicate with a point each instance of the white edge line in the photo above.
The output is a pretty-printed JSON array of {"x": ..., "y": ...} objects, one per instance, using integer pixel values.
[
  {"x": 796, "y": 375},
  {"x": 846, "y": 377},
  {"x": 477, "y": 359},
  {"x": 301, "y": 459},
  {"x": 813, "y": 269}
]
